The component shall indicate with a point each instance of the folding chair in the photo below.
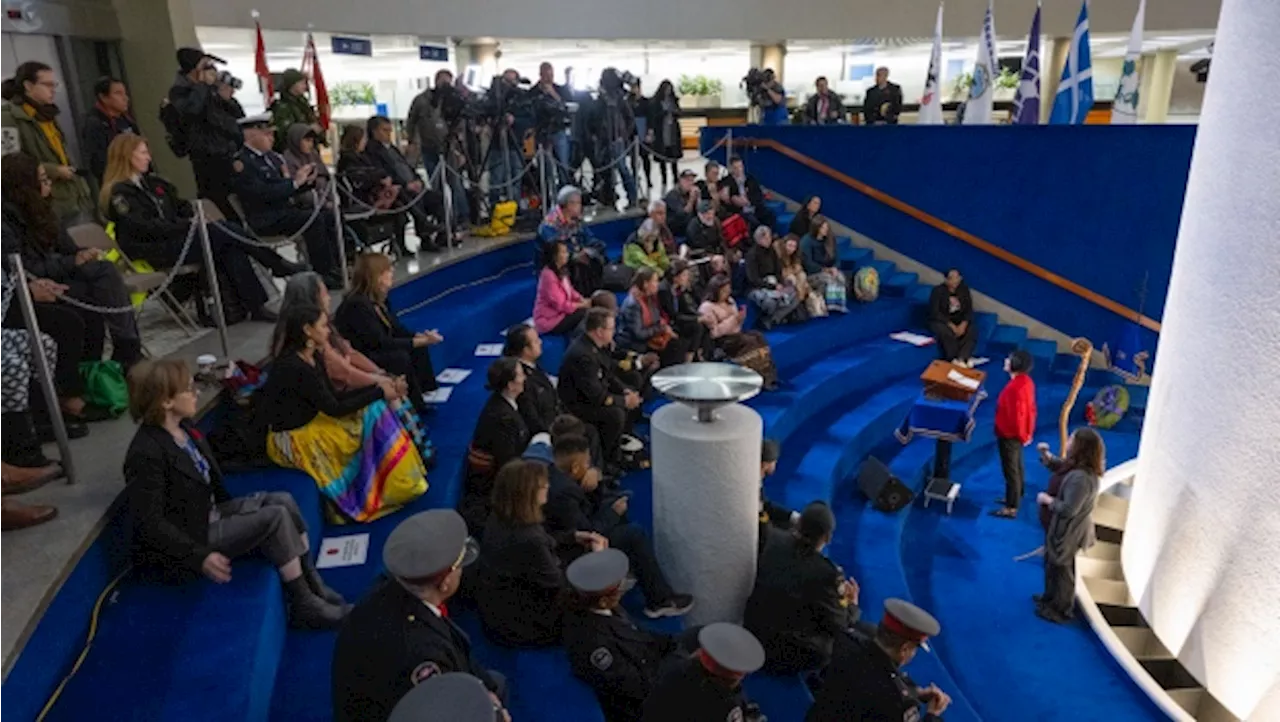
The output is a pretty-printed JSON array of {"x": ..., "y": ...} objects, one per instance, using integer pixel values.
[
  {"x": 374, "y": 228},
  {"x": 273, "y": 241}
]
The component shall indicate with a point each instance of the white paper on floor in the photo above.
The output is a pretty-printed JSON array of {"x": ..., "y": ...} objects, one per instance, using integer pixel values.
[
  {"x": 439, "y": 396},
  {"x": 489, "y": 349},
  {"x": 453, "y": 376},
  {"x": 979, "y": 361},
  {"x": 914, "y": 339},
  {"x": 343, "y": 551}
]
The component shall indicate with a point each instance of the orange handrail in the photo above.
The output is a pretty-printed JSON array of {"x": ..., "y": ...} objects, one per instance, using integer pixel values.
[{"x": 1017, "y": 261}]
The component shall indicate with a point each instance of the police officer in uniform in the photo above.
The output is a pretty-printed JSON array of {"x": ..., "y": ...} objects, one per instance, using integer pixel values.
[
  {"x": 266, "y": 192},
  {"x": 400, "y": 635},
  {"x": 707, "y": 686},
  {"x": 801, "y": 601},
  {"x": 606, "y": 649},
  {"x": 773, "y": 517},
  {"x": 449, "y": 697},
  {"x": 865, "y": 680}
]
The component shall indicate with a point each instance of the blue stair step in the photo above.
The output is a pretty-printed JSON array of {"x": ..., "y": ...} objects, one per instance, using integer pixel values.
[
  {"x": 884, "y": 269},
  {"x": 899, "y": 284},
  {"x": 919, "y": 294},
  {"x": 987, "y": 323},
  {"x": 783, "y": 223},
  {"x": 1044, "y": 354},
  {"x": 778, "y": 207},
  {"x": 1006, "y": 338}
]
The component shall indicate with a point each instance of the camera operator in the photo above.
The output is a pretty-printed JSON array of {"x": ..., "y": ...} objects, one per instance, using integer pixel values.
[
  {"x": 205, "y": 125},
  {"x": 557, "y": 135},
  {"x": 767, "y": 92},
  {"x": 615, "y": 127},
  {"x": 505, "y": 162},
  {"x": 430, "y": 129},
  {"x": 227, "y": 86},
  {"x": 824, "y": 107},
  {"x": 883, "y": 103}
]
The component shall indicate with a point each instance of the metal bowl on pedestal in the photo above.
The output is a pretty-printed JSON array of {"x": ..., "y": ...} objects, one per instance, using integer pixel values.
[{"x": 707, "y": 386}]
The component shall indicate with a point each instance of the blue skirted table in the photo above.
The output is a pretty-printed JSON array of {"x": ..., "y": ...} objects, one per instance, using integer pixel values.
[{"x": 947, "y": 421}]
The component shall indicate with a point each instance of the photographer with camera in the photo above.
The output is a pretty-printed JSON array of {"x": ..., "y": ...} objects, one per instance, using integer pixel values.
[
  {"x": 766, "y": 93},
  {"x": 503, "y": 104},
  {"x": 200, "y": 122},
  {"x": 435, "y": 120},
  {"x": 227, "y": 85},
  {"x": 615, "y": 127},
  {"x": 553, "y": 118}
]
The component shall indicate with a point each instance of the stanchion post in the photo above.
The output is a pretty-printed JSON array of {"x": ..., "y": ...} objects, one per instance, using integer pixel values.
[
  {"x": 728, "y": 146},
  {"x": 211, "y": 270},
  {"x": 446, "y": 192},
  {"x": 542, "y": 157},
  {"x": 341, "y": 231},
  {"x": 42, "y": 366},
  {"x": 635, "y": 170}
]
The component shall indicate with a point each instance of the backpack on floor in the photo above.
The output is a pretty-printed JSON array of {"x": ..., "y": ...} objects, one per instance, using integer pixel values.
[{"x": 866, "y": 285}]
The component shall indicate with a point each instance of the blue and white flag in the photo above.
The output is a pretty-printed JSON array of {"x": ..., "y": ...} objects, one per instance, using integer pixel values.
[
  {"x": 1124, "y": 111},
  {"x": 931, "y": 102},
  {"x": 1026, "y": 103},
  {"x": 1075, "y": 92},
  {"x": 977, "y": 109}
]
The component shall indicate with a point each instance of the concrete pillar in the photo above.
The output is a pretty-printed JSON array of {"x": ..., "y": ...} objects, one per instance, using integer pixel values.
[
  {"x": 1051, "y": 74},
  {"x": 479, "y": 52},
  {"x": 772, "y": 56},
  {"x": 1159, "y": 74},
  {"x": 1199, "y": 550},
  {"x": 151, "y": 33}
]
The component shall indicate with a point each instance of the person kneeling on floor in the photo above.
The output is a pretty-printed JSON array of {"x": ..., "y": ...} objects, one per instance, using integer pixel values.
[
  {"x": 801, "y": 601},
  {"x": 185, "y": 522},
  {"x": 774, "y": 518},
  {"x": 571, "y": 516},
  {"x": 400, "y": 635}
]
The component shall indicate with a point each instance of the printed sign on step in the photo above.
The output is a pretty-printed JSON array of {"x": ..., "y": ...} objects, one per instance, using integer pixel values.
[
  {"x": 343, "y": 551},
  {"x": 489, "y": 349},
  {"x": 453, "y": 376},
  {"x": 439, "y": 396}
]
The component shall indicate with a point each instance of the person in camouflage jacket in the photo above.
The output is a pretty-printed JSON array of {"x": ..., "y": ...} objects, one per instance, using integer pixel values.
[{"x": 292, "y": 107}]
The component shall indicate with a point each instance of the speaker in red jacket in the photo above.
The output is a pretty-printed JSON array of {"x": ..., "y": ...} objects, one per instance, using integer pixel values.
[{"x": 886, "y": 491}]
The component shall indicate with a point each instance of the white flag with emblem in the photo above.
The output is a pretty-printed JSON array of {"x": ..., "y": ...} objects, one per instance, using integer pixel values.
[
  {"x": 1124, "y": 111},
  {"x": 977, "y": 109},
  {"x": 931, "y": 102}
]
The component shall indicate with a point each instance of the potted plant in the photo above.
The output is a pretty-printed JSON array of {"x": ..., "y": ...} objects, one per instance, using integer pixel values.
[
  {"x": 353, "y": 99},
  {"x": 699, "y": 91},
  {"x": 1006, "y": 84}
]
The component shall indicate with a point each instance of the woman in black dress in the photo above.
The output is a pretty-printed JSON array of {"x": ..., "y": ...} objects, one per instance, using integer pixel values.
[{"x": 664, "y": 122}]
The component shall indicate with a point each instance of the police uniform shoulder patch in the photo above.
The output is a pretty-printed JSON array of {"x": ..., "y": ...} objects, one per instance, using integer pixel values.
[
  {"x": 735, "y": 715},
  {"x": 120, "y": 203},
  {"x": 238, "y": 166},
  {"x": 602, "y": 659},
  {"x": 423, "y": 672}
]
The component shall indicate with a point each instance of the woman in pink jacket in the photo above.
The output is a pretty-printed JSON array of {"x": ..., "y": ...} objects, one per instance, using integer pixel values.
[
  {"x": 558, "y": 307},
  {"x": 724, "y": 318}
]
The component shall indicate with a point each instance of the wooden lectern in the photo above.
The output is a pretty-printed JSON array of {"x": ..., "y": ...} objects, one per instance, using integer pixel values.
[{"x": 938, "y": 383}]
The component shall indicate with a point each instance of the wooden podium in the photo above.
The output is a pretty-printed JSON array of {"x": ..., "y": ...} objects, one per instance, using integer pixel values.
[{"x": 939, "y": 384}]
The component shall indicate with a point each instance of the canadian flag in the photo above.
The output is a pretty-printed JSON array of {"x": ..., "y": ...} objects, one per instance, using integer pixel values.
[
  {"x": 260, "y": 69},
  {"x": 311, "y": 69}
]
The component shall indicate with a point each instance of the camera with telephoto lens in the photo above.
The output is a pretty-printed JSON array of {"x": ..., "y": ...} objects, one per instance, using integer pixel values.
[
  {"x": 454, "y": 106},
  {"x": 226, "y": 78},
  {"x": 755, "y": 82}
]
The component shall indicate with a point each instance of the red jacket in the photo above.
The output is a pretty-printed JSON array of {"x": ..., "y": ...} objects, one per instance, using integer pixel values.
[{"x": 1016, "y": 410}]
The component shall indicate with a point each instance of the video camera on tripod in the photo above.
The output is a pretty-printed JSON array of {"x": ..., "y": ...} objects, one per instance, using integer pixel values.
[{"x": 756, "y": 83}]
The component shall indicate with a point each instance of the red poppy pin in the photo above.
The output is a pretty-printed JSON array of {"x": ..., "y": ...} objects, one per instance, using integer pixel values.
[{"x": 159, "y": 190}]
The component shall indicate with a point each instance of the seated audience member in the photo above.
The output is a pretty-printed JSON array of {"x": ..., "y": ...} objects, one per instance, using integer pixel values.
[
  {"x": 349, "y": 442},
  {"x": 153, "y": 223},
  {"x": 866, "y": 679},
  {"x": 370, "y": 184},
  {"x": 619, "y": 660},
  {"x": 591, "y": 390},
  {"x": 586, "y": 252},
  {"x": 369, "y": 325},
  {"x": 29, "y": 116},
  {"x": 558, "y": 308},
  {"x": 300, "y": 150},
  {"x": 765, "y": 286},
  {"x": 709, "y": 186},
  {"x": 184, "y": 521},
  {"x": 645, "y": 248},
  {"x": 521, "y": 584},
  {"x": 679, "y": 302},
  {"x": 1070, "y": 528},
  {"x": 746, "y": 196},
  {"x": 574, "y": 518},
  {"x": 804, "y": 216},
  {"x": 1015, "y": 426},
  {"x": 423, "y": 203},
  {"x": 822, "y": 262},
  {"x": 682, "y": 203},
  {"x": 108, "y": 119},
  {"x": 823, "y": 107},
  {"x": 642, "y": 326},
  {"x": 266, "y": 194},
  {"x": 540, "y": 445},
  {"x": 706, "y": 685},
  {"x": 801, "y": 601},
  {"x": 33, "y": 230},
  {"x": 705, "y": 236},
  {"x": 794, "y": 275},
  {"x": 723, "y": 319},
  {"x": 633, "y": 369},
  {"x": 658, "y": 214},
  {"x": 773, "y": 517},
  {"x": 349, "y": 369},
  {"x": 951, "y": 319},
  {"x": 500, "y": 436},
  {"x": 399, "y": 636}
]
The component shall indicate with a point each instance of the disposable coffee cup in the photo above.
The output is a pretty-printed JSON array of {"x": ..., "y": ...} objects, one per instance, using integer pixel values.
[{"x": 205, "y": 362}]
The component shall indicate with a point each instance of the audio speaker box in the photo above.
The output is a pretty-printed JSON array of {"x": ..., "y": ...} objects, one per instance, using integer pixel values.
[{"x": 886, "y": 491}]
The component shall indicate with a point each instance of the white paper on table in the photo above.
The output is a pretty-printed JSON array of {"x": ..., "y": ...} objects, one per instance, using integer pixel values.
[
  {"x": 489, "y": 349},
  {"x": 914, "y": 339},
  {"x": 343, "y": 551},
  {"x": 439, "y": 396},
  {"x": 453, "y": 376},
  {"x": 965, "y": 381}
]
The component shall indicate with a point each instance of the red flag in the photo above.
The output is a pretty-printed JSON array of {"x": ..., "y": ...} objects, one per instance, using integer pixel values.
[
  {"x": 260, "y": 68},
  {"x": 311, "y": 69}
]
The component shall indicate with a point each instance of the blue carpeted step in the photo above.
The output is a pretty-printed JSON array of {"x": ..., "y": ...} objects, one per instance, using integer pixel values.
[
  {"x": 783, "y": 224},
  {"x": 796, "y": 346},
  {"x": 854, "y": 257},
  {"x": 778, "y": 207},
  {"x": 919, "y": 294},
  {"x": 884, "y": 269},
  {"x": 1006, "y": 338},
  {"x": 899, "y": 284},
  {"x": 986, "y": 323},
  {"x": 1044, "y": 353}
]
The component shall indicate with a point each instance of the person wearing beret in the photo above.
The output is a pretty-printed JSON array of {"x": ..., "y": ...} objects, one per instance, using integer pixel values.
[
  {"x": 450, "y": 697},
  {"x": 400, "y": 635},
  {"x": 706, "y": 686},
  {"x": 619, "y": 660},
  {"x": 865, "y": 680},
  {"x": 801, "y": 601}
]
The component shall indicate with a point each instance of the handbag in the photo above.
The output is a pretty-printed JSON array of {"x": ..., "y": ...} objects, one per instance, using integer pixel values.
[
  {"x": 735, "y": 230},
  {"x": 659, "y": 341},
  {"x": 617, "y": 277},
  {"x": 835, "y": 296},
  {"x": 105, "y": 386}
]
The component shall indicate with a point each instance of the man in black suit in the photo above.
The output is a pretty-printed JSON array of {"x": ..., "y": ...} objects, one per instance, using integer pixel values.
[
  {"x": 383, "y": 151},
  {"x": 589, "y": 387},
  {"x": 746, "y": 196},
  {"x": 500, "y": 436},
  {"x": 400, "y": 635},
  {"x": 801, "y": 601},
  {"x": 883, "y": 103}
]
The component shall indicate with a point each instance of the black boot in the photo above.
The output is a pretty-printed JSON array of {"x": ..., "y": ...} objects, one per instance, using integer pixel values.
[
  {"x": 308, "y": 611},
  {"x": 20, "y": 441},
  {"x": 316, "y": 583}
]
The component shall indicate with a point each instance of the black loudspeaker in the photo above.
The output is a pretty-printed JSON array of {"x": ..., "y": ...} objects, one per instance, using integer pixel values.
[{"x": 886, "y": 491}]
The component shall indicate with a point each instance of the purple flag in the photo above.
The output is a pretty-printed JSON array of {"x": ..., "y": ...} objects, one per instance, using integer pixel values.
[{"x": 1026, "y": 103}]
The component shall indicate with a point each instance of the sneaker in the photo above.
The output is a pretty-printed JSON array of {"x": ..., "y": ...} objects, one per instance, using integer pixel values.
[{"x": 678, "y": 605}]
